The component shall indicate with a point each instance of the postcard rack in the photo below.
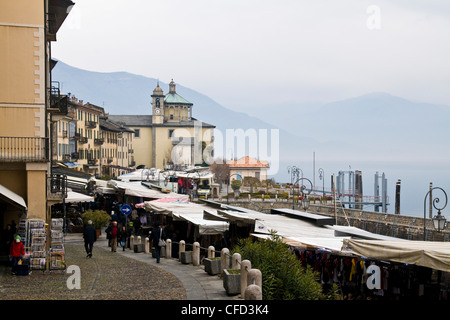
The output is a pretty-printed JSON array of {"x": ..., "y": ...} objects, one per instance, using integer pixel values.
[
  {"x": 35, "y": 243},
  {"x": 56, "y": 252}
]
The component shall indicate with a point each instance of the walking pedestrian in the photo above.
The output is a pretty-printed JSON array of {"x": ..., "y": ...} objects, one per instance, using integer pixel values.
[
  {"x": 157, "y": 234},
  {"x": 123, "y": 235},
  {"x": 90, "y": 236},
  {"x": 114, "y": 235},
  {"x": 17, "y": 251}
]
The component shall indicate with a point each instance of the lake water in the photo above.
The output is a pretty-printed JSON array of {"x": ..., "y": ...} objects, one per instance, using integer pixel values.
[{"x": 415, "y": 180}]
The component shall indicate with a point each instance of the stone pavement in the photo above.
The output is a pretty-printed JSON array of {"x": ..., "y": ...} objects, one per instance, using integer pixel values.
[
  {"x": 123, "y": 275},
  {"x": 197, "y": 283}
]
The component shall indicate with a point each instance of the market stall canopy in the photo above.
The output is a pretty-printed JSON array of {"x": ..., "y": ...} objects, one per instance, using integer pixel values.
[
  {"x": 136, "y": 189},
  {"x": 298, "y": 229},
  {"x": 152, "y": 174},
  {"x": 431, "y": 254},
  {"x": 187, "y": 211},
  {"x": 12, "y": 198},
  {"x": 74, "y": 197}
]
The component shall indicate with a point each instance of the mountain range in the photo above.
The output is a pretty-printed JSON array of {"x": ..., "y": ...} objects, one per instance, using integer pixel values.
[{"x": 372, "y": 127}]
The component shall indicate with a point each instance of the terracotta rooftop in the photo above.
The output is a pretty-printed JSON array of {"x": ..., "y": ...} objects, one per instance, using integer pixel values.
[{"x": 247, "y": 162}]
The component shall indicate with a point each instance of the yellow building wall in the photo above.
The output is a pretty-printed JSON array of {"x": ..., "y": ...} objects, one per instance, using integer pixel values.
[
  {"x": 22, "y": 122},
  {"x": 164, "y": 147},
  {"x": 30, "y": 12},
  {"x": 36, "y": 190},
  {"x": 22, "y": 96},
  {"x": 142, "y": 146}
]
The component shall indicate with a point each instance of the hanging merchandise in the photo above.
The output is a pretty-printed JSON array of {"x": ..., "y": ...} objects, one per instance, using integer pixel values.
[
  {"x": 35, "y": 239},
  {"x": 57, "y": 254}
]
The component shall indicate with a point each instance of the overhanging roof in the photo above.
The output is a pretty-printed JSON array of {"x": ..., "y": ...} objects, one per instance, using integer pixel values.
[
  {"x": 319, "y": 220},
  {"x": 12, "y": 198}
]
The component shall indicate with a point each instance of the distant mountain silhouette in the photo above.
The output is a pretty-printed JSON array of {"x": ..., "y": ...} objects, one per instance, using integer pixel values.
[{"x": 370, "y": 127}]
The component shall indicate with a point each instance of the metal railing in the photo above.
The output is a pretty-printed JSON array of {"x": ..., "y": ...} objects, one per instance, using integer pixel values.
[{"x": 24, "y": 149}]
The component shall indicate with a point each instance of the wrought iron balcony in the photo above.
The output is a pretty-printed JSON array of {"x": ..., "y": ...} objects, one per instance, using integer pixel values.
[
  {"x": 24, "y": 149},
  {"x": 56, "y": 187},
  {"x": 58, "y": 102},
  {"x": 98, "y": 141},
  {"x": 90, "y": 124},
  {"x": 83, "y": 140}
]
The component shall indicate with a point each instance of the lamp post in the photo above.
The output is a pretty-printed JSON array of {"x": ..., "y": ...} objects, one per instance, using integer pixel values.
[
  {"x": 322, "y": 177},
  {"x": 305, "y": 202},
  {"x": 295, "y": 173},
  {"x": 439, "y": 221}
]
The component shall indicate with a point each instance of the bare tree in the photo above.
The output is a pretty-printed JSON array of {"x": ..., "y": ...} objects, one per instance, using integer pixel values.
[{"x": 221, "y": 170}]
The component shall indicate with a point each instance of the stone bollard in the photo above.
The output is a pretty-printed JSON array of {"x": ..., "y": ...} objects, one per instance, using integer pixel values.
[
  {"x": 168, "y": 249},
  {"x": 138, "y": 240},
  {"x": 253, "y": 292},
  {"x": 131, "y": 242},
  {"x": 235, "y": 261},
  {"x": 211, "y": 252},
  {"x": 196, "y": 254},
  {"x": 246, "y": 265},
  {"x": 182, "y": 248},
  {"x": 147, "y": 245},
  {"x": 224, "y": 259},
  {"x": 254, "y": 276}
]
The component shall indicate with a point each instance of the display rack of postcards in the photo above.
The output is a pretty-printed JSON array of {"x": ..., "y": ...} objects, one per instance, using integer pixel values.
[
  {"x": 57, "y": 261},
  {"x": 36, "y": 237},
  {"x": 22, "y": 230}
]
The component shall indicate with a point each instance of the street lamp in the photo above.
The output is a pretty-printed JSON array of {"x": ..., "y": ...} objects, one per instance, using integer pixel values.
[
  {"x": 439, "y": 221},
  {"x": 295, "y": 174},
  {"x": 305, "y": 201},
  {"x": 322, "y": 177}
]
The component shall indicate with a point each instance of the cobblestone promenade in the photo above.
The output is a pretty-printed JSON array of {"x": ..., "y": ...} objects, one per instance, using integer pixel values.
[{"x": 123, "y": 275}]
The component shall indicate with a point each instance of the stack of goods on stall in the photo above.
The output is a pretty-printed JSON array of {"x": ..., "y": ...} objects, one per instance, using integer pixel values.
[
  {"x": 57, "y": 260},
  {"x": 35, "y": 240}
]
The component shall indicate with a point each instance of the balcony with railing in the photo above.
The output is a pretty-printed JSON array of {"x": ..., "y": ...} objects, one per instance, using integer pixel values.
[
  {"x": 23, "y": 149},
  {"x": 56, "y": 187},
  {"x": 90, "y": 124},
  {"x": 83, "y": 140},
  {"x": 58, "y": 102}
]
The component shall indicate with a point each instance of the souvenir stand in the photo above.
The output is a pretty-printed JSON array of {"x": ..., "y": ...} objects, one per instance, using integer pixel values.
[
  {"x": 56, "y": 253},
  {"x": 35, "y": 239}
]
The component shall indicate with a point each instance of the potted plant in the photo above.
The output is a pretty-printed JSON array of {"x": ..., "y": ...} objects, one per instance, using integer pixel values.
[
  {"x": 99, "y": 219},
  {"x": 212, "y": 265},
  {"x": 232, "y": 281}
]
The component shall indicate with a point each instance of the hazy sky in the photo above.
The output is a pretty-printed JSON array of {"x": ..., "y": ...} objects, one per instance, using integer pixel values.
[{"x": 250, "y": 53}]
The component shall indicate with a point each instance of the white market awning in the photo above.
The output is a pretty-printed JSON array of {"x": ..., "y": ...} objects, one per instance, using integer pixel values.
[
  {"x": 431, "y": 254},
  {"x": 188, "y": 211},
  {"x": 205, "y": 227},
  {"x": 12, "y": 198},
  {"x": 75, "y": 197},
  {"x": 136, "y": 189}
]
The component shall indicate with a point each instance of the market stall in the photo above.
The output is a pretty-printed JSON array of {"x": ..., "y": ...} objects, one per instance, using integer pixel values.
[{"x": 430, "y": 254}]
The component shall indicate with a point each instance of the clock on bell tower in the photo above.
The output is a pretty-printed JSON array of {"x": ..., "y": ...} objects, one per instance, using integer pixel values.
[{"x": 158, "y": 105}]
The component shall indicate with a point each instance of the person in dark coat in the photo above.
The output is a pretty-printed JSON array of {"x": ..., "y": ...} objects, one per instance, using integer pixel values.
[
  {"x": 90, "y": 236},
  {"x": 123, "y": 237},
  {"x": 158, "y": 233}
]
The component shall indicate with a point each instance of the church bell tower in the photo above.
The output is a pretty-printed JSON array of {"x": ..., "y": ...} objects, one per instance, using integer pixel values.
[{"x": 158, "y": 105}]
